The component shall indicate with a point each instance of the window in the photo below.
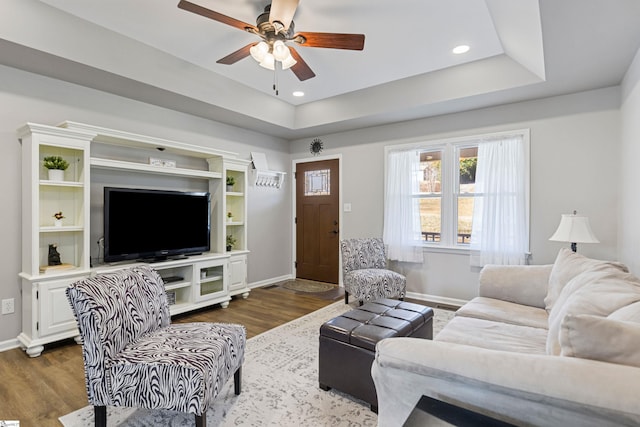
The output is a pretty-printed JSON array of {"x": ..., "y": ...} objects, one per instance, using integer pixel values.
[
  {"x": 317, "y": 183},
  {"x": 432, "y": 200},
  {"x": 454, "y": 209}
]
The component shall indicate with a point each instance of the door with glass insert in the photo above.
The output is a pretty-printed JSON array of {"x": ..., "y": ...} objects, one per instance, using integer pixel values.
[{"x": 317, "y": 220}]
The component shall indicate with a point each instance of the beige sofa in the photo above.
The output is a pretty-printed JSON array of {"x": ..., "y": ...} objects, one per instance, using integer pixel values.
[{"x": 553, "y": 345}]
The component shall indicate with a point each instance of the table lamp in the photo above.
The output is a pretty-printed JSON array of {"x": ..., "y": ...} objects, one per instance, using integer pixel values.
[{"x": 575, "y": 229}]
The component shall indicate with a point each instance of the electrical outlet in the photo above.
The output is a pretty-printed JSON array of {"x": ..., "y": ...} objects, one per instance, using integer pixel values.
[{"x": 8, "y": 306}]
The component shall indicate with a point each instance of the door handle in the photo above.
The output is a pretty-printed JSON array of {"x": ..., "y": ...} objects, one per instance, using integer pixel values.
[{"x": 334, "y": 231}]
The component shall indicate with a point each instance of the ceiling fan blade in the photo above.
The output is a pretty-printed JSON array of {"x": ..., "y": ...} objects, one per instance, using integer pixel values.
[
  {"x": 236, "y": 56},
  {"x": 300, "y": 68},
  {"x": 330, "y": 40},
  {"x": 208, "y": 13},
  {"x": 282, "y": 11}
]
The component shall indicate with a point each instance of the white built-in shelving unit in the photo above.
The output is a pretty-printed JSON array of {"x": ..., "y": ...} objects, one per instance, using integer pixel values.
[{"x": 192, "y": 283}]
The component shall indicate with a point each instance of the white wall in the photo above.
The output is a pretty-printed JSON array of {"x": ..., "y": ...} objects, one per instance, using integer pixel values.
[
  {"x": 629, "y": 234},
  {"x": 575, "y": 156},
  {"x": 26, "y": 97},
  {"x": 575, "y": 143}
]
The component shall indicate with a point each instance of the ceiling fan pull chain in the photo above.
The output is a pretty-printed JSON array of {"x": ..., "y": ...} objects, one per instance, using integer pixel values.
[{"x": 275, "y": 79}]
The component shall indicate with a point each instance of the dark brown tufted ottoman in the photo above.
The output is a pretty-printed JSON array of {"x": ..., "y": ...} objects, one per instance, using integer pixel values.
[{"x": 348, "y": 343}]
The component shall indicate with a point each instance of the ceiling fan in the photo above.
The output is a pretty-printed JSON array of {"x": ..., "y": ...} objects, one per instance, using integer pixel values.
[{"x": 276, "y": 28}]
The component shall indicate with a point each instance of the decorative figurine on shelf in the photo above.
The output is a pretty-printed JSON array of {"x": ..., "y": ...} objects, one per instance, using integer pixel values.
[
  {"x": 54, "y": 255},
  {"x": 229, "y": 217},
  {"x": 58, "y": 219}
]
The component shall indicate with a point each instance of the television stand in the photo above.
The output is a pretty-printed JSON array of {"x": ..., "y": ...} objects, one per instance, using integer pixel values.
[
  {"x": 192, "y": 282},
  {"x": 155, "y": 260}
]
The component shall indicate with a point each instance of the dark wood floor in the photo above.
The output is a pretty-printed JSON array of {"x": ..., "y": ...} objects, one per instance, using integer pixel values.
[{"x": 36, "y": 391}]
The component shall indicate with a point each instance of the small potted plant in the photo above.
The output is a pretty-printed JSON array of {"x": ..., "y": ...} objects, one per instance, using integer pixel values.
[
  {"x": 56, "y": 166},
  {"x": 229, "y": 217},
  {"x": 230, "y": 242},
  {"x": 230, "y": 182},
  {"x": 58, "y": 219}
]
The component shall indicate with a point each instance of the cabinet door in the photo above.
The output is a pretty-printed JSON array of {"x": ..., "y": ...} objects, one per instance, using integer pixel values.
[
  {"x": 238, "y": 265},
  {"x": 210, "y": 280},
  {"x": 55, "y": 314}
]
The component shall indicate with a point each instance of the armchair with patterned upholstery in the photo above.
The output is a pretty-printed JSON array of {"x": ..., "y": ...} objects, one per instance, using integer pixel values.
[
  {"x": 365, "y": 272},
  {"x": 133, "y": 355}
]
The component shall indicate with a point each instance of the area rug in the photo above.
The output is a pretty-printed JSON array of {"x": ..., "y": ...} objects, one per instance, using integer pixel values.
[
  {"x": 302, "y": 285},
  {"x": 279, "y": 386}
]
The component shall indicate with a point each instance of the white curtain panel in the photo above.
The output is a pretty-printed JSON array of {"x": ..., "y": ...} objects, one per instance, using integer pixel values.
[
  {"x": 401, "y": 213},
  {"x": 499, "y": 232}
]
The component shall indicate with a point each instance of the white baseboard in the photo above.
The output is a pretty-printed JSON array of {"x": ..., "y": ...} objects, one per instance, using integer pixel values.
[
  {"x": 267, "y": 282},
  {"x": 9, "y": 344},
  {"x": 437, "y": 299}
]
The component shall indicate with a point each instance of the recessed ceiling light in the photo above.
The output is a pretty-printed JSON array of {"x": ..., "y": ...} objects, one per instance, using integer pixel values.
[
  {"x": 463, "y": 48},
  {"x": 298, "y": 93}
]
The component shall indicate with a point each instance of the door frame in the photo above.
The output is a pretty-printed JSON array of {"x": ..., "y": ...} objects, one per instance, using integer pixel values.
[{"x": 294, "y": 248}]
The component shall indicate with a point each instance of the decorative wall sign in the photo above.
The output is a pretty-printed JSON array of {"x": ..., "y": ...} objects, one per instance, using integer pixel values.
[{"x": 316, "y": 146}]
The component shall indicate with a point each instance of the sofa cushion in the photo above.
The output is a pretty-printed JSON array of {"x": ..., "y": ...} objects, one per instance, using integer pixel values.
[
  {"x": 494, "y": 335},
  {"x": 505, "y": 311},
  {"x": 600, "y": 294},
  {"x": 630, "y": 313},
  {"x": 569, "y": 264},
  {"x": 522, "y": 284},
  {"x": 600, "y": 338}
]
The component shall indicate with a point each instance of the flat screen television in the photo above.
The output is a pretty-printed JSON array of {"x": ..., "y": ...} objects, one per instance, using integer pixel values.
[{"x": 155, "y": 225}]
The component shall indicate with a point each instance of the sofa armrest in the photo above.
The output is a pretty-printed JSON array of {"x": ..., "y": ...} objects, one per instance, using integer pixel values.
[
  {"x": 514, "y": 387},
  {"x": 522, "y": 284}
]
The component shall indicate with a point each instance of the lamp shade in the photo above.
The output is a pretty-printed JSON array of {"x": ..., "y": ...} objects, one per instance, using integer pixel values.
[
  {"x": 268, "y": 62},
  {"x": 259, "y": 51},
  {"x": 575, "y": 229},
  {"x": 280, "y": 50},
  {"x": 288, "y": 62}
]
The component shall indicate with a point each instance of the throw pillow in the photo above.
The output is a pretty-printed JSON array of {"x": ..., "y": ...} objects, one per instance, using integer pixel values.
[
  {"x": 568, "y": 265},
  {"x": 601, "y": 294},
  {"x": 598, "y": 338}
]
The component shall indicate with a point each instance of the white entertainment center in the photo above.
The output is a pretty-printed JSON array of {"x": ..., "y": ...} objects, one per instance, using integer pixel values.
[{"x": 98, "y": 157}]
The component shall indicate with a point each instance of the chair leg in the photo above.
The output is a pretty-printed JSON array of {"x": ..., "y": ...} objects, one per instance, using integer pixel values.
[
  {"x": 100, "y": 416},
  {"x": 201, "y": 420},
  {"x": 346, "y": 297},
  {"x": 237, "y": 381}
]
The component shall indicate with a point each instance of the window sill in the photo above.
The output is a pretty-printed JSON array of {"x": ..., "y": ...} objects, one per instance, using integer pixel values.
[{"x": 454, "y": 250}]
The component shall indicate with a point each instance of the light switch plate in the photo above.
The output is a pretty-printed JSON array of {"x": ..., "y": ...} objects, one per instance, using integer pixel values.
[{"x": 347, "y": 207}]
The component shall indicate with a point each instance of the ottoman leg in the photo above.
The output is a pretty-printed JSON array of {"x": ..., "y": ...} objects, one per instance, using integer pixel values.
[
  {"x": 346, "y": 297},
  {"x": 324, "y": 387}
]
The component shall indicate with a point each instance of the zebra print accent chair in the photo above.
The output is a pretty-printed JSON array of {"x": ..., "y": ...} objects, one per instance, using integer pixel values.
[
  {"x": 365, "y": 272},
  {"x": 134, "y": 356}
]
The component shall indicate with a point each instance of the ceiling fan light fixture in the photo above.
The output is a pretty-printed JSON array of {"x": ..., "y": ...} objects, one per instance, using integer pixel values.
[
  {"x": 268, "y": 62},
  {"x": 259, "y": 51},
  {"x": 280, "y": 50},
  {"x": 288, "y": 62},
  {"x": 273, "y": 25}
]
